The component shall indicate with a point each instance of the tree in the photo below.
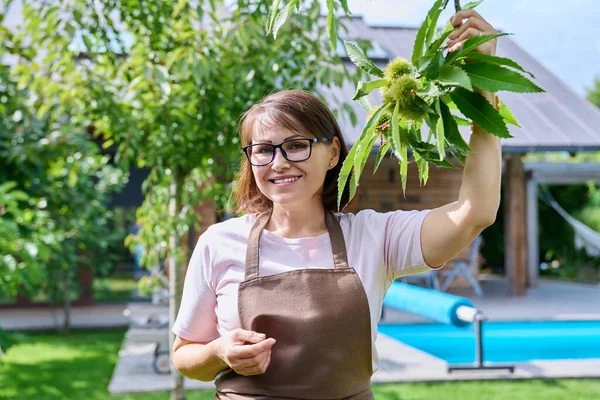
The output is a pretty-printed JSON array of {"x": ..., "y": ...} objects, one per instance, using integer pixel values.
[
  {"x": 165, "y": 83},
  {"x": 55, "y": 186},
  {"x": 593, "y": 93}
]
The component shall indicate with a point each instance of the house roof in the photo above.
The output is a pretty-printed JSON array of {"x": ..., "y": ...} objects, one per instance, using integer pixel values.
[{"x": 557, "y": 120}]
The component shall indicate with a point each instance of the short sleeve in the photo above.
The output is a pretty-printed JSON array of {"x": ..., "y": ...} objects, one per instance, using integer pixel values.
[
  {"x": 402, "y": 242},
  {"x": 196, "y": 320}
]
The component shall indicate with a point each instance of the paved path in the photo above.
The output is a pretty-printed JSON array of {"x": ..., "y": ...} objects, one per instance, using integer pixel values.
[{"x": 45, "y": 318}]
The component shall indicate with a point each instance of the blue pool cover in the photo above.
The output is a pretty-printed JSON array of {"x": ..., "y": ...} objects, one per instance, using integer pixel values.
[{"x": 503, "y": 341}]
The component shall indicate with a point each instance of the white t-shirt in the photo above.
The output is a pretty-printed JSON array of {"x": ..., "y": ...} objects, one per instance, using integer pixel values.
[{"x": 381, "y": 247}]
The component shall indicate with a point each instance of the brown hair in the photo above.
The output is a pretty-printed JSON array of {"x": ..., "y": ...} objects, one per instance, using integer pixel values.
[{"x": 300, "y": 112}]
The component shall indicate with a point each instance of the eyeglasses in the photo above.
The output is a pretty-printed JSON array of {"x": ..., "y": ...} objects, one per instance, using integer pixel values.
[{"x": 294, "y": 150}]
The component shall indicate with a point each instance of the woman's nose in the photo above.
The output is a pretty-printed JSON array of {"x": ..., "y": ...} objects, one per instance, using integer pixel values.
[{"x": 279, "y": 161}]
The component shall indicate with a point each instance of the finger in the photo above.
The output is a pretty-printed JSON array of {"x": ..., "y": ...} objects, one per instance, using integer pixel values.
[
  {"x": 469, "y": 33},
  {"x": 458, "y": 18},
  {"x": 268, "y": 360},
  {"x": 243, "y": 335},
  {"x": 258, "y": 368},
  {"x": 251, "y": 350},
  {"x": 471, "y": 23}
]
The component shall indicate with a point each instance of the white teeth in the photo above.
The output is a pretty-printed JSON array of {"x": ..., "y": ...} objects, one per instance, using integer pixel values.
[{"x": 286, "y": 180}]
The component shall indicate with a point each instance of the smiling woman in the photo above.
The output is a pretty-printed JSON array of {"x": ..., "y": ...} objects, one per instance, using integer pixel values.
[
  {"x": 281, "y": 117},
  {"x": 270, "y": 296},
  {"x": 270, "y": 326}
]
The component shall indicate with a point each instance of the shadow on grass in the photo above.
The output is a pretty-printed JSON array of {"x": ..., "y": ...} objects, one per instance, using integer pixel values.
[{"x": 50, "y": 366}]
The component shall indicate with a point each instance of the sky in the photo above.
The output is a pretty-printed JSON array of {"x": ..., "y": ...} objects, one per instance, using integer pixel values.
[{"x": 562, "y": 35}]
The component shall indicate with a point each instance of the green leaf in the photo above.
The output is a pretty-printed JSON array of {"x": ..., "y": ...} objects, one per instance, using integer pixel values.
[
  {"x": 439, "y": 132},
  {"x": 72, "y": 177},
  {"x": 360, "y": 60},
  {"x": 429, "y": 93},
  {"x": 273, "y": 11},
  {"x": 400, "y": 145},
  {"x": 361, "y": 159},
  {"x": 472, "y": 5},
  {"x": 365, "y": 88},
  {"x": 88, "y": 43},
  {"x": 353, "y": 184},
  {"x": 178, "y": 8},
  {"x": 450, "y": 75},
  {"x": 432, "y": 23},
  {"x": 508, "y": 116},
  {"x": 461, "y": 121},
  {"x": 429, "y": 66},
  {"x": 422, "y": 167},
  {"x": 381, "y": 153},
  {"x": 440, "y": 39},
  {"x": 480, "y": 111},
  {"x": 349, "y": 161},
  {"x": 345, "y": 7},
  {"x": 494, "y": 78},
  {"x": 404, "y": 167},
  {"x": 162, "y": 78},
  {"x": 459, "y": 155},
  {"x": 395, "y": 128},
  {"x": 423, "y": 30},
  {"x": 477, "y": 56},
  {"x": 471, "y": 44},
  {"x": 282, "y": 17},
  {"x": 331, "y": 28},
  {"x": 366, "y": 104},
  {"x": 451, "y": 128}
]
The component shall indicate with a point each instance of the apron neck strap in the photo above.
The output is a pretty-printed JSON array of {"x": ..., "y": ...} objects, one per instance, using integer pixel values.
[{"x": 338, "y": 246}]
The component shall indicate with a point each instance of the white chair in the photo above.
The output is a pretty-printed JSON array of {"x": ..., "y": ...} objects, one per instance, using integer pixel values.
[
  {"x": 464, "y": 267},
  {"x": 429, "y": 278}
]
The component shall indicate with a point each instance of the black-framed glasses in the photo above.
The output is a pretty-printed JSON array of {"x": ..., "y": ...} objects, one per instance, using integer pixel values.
[{"x": 294, "y": 150}]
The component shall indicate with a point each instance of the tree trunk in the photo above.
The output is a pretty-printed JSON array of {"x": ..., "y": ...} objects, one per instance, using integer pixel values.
[
  {"x": 175, "y": 277},
  {"x": 66, "y": 302}
]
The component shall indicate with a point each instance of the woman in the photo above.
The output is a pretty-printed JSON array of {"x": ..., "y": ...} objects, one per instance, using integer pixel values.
[{"x": 302, "y": 322}]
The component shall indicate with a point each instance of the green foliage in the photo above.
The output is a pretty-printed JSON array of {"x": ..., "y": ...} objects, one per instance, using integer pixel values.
[
  {"x": 159, "y": 85},
  {"x": 475, "y": 107},
  {"x": 582, "y": 202},
  {"x": 494, "y": 78},
  {"x": 5, "y": 343},
  {"x": 361, "y": 60},
  {"x": 593, "y": 93},
  {"x": 415, "y": 92},
  {"x": 56, "y": 183},
  {"x": 364, "y": 88}
]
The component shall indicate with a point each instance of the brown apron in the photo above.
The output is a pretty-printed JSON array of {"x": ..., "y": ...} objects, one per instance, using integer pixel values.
[{"x": 321, "y": 321}]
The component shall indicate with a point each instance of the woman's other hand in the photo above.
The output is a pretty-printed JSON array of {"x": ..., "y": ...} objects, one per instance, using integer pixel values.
[
  {"x": 474, "y": 26},
  {"x": 246, "y": 359}
]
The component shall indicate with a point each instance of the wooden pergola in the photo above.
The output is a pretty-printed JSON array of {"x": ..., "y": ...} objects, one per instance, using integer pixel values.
[{"x": 521, "y": 212}]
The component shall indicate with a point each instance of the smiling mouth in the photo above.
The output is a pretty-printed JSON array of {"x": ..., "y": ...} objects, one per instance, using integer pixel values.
[{"x": 285, "y": 180}]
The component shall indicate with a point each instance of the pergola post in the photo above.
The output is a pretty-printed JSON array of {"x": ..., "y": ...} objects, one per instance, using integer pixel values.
[
  {"x": 515, "y": 228},
  {"x": 533, "y": 235}
]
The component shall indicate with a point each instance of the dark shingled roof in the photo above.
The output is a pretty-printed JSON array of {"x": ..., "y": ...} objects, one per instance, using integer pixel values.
[{"x": 558, "y": 120}]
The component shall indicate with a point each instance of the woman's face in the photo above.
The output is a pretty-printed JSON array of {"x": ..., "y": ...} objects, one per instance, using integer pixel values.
[{"x": 304, "y": 179}]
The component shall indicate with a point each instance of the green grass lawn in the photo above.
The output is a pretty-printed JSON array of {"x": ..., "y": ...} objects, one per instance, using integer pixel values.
[{"x": 47, "y": 366}]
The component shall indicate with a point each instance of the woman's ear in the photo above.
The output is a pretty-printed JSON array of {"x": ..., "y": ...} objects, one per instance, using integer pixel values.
[{"x": 335, "y": 150}]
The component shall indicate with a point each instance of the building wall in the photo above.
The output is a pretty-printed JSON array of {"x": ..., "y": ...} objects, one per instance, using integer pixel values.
[{"x": 383, "y": 191}]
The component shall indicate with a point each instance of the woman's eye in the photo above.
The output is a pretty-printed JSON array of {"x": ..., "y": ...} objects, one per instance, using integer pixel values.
[
  {"x": 264, "y": 150},
  {"x": 298, "y": 146}
]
